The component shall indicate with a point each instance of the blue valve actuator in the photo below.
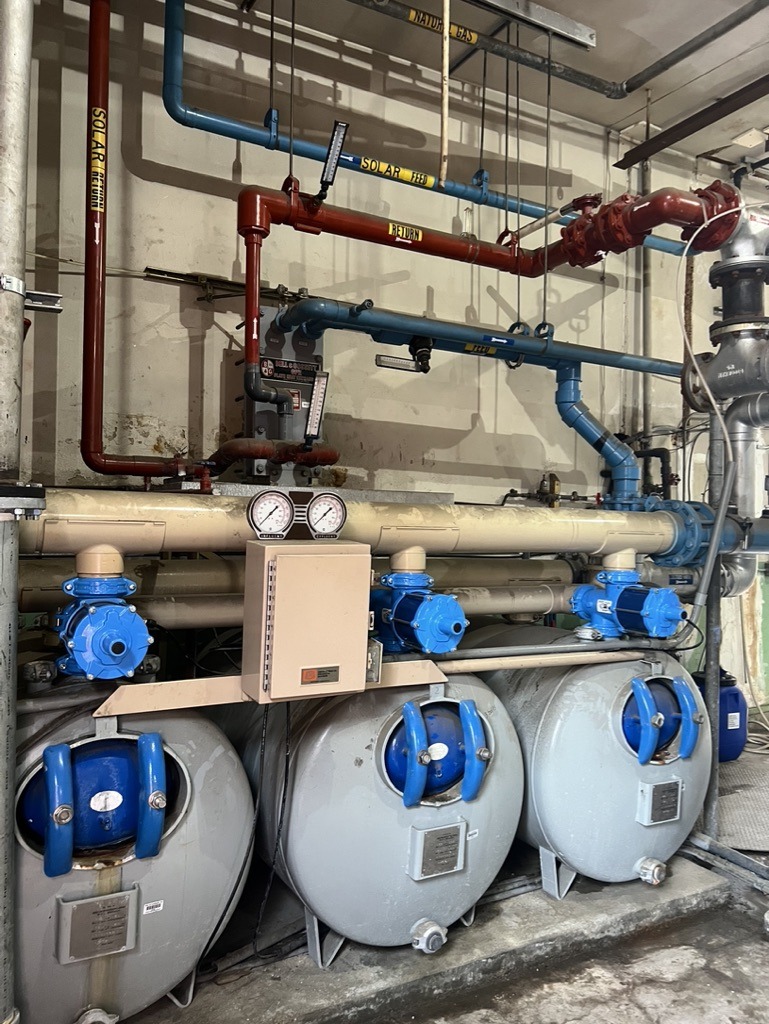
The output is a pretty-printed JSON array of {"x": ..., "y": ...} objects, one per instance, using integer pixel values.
[
  {"x": 408, "y": 616},
  {"x": 622, "y": 606},
  {"x": 69, "y": 791},
  {"x": 654, "y": 716},
  {"x": 105, "y": 637},
  {"x": 418, "y": 756}
]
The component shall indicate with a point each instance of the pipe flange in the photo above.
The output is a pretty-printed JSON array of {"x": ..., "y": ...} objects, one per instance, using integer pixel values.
[
  {"x": 721, "y": 329},
  {"x": 27, "y": 500},
  {"x": 692, "y": 537},
  {"x": 691, "y": 384},
  {"x": 737, "y": 267}
]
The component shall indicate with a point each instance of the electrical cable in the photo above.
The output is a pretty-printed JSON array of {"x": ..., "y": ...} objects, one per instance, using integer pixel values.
[
  {"x": 548, "y": 127},
  {"x": 291, "y": 97},
  {"x": 483, "y": 111},
  {"x": 518, "y": 162},
  {"x": 730, "y": 467},
  {"x": 507, "y": 135},
  {"x": 272, "y": 54},
  {"x": 279, "y": 830}
]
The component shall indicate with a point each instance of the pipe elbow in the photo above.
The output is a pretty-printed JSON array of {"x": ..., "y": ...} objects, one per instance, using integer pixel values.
[
  {"x": 738, "y": 573},
  {"x": 175, "y": 107}
]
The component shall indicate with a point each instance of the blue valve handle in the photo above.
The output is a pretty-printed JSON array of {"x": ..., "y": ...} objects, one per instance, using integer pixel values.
[
  {"x": 152, "y": 790},
  {"x": 416, "y": 743},
  {"x": 647, "y": 709},
  {"x": 60, "y": 800},
  {"x": 474, "y": 736},
  {"x": 690, "y": 728}
]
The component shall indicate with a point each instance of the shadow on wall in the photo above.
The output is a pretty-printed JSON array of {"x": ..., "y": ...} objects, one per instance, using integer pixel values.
[
  {"x": 137, "y": 66},
  {"x": 61, "y": 41},
  {"x": 367, "y": 449}
]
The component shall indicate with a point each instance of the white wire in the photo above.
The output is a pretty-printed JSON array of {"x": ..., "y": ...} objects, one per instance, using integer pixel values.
[{"x": 681, "y": 317}]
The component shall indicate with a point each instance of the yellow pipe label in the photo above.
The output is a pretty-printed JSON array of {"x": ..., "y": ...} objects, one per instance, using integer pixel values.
[
  {"x": 481, "y": 350},
  {"x": 396, "y": 173},
  {"x": 435, "y": 24},
  {"x": 98, "y": 150},
  {"x": 405, "y": 232}
]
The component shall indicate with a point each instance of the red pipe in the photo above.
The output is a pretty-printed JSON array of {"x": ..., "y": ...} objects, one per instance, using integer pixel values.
[
  {"x": 619, "y": 225},
  {"x": 272, "y": 451},
  {"x": 92, "y": 438}
]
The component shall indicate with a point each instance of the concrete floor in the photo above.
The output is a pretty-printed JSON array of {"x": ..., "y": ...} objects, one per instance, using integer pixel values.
[
  {"x": 504, "y": 968},
  {"x": 713, "y": 969}
]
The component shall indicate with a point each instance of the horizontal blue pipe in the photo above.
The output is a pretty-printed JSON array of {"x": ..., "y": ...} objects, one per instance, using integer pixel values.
[
  {"x": 625, "y": 471},
  {"x": 241, "y": 131},
  {"x": 316, "y": 315}
]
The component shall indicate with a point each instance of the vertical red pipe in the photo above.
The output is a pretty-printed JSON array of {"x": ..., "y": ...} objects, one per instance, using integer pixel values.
[
  {"x": 92, "y": 424},
  {"x": 253, "y": 299},
  {"x": 95, "y": 232}
]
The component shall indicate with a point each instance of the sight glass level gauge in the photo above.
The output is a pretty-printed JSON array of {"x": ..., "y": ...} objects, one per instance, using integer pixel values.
[
  {"x": 326, "y": 515},
  {"x": 271, "y": 514}
]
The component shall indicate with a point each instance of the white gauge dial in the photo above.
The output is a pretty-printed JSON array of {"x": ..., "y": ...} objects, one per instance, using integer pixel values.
[
  {"x": 271, "y": 514},
  {"x": 326, "y": 514}
]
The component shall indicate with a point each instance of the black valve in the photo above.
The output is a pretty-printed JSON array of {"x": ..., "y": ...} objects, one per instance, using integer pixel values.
[{"x": 421, "y": 350}]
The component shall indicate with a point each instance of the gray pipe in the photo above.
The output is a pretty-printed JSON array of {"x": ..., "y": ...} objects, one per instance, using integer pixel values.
[
  {"x": 613, "y": 90},
  {"x": 713, "y": 696},
  {"x": 699, "y": 42},
  {"x": 15, "y": 71}
]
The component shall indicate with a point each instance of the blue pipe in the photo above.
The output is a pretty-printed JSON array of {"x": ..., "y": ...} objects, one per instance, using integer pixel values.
[
  {"x": 269, "y": 138},
  {"x": 625, "y": 471},
  {"x": 316, "y": 315}
]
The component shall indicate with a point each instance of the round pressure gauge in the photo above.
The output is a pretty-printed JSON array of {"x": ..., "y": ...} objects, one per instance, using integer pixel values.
[
  {"x": 326, "y": 515},
  {"x": 271, "y": 514}
]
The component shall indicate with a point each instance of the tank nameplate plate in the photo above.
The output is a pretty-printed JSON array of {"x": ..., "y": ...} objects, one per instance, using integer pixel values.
[
  {"x": 659, "y": 802},
  {"x": 437, "y": 851},
  {"x": 96, "y": 926}
]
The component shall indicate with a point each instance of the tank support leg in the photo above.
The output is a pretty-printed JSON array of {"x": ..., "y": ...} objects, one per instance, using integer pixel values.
[
  {"x": 322, "y": 948},
  {"x": 557, "y": 877}
]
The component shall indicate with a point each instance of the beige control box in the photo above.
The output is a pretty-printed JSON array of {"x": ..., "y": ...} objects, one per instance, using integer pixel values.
[{"x": 305, "y": 621}]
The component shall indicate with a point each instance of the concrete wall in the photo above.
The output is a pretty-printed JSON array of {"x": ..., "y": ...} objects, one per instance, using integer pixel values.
[{"x": 472, "y": 426}]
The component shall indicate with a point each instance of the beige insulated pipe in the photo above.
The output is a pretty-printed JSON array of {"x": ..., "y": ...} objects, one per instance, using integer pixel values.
[
  {"x": 139, "y": 522},
  {"x": 520, "y": 661},
  {"x": 520, "y": 600},
  {"x": 40, "y": 579}
]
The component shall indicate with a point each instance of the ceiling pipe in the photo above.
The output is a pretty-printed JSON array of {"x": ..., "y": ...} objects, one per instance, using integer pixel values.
[
  {"x": 703, "y": 118},
  {"x": 269, "y": 137},
  {"x": 611, "y": 90}
]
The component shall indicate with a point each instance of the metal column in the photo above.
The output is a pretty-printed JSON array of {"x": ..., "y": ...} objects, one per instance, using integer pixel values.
[{"x": 15, "y": 63}]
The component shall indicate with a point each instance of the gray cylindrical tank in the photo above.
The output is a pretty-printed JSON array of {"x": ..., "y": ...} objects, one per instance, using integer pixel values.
[
  {"x": 588, "y": 799},
  {"x": 115, "y": 933},
  {"x": 368, "y": 866}
]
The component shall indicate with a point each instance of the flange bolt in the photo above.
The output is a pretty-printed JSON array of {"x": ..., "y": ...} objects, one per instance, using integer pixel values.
[{"x": 63, "y": 814}]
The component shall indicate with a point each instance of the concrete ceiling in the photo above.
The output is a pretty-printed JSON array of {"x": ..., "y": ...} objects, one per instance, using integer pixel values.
[{"x": 630, "y": 35}]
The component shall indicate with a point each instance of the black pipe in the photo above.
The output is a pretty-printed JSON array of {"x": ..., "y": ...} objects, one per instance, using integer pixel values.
[
  {"x": 742, "y": 297},
  {"x": 663, "y": 454},
  {"x": 713, "y": 691},
  {"x": 710, "y": 35},
  {"x": 755, "y": 90},
  {"x": 257, "y": 391}
]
